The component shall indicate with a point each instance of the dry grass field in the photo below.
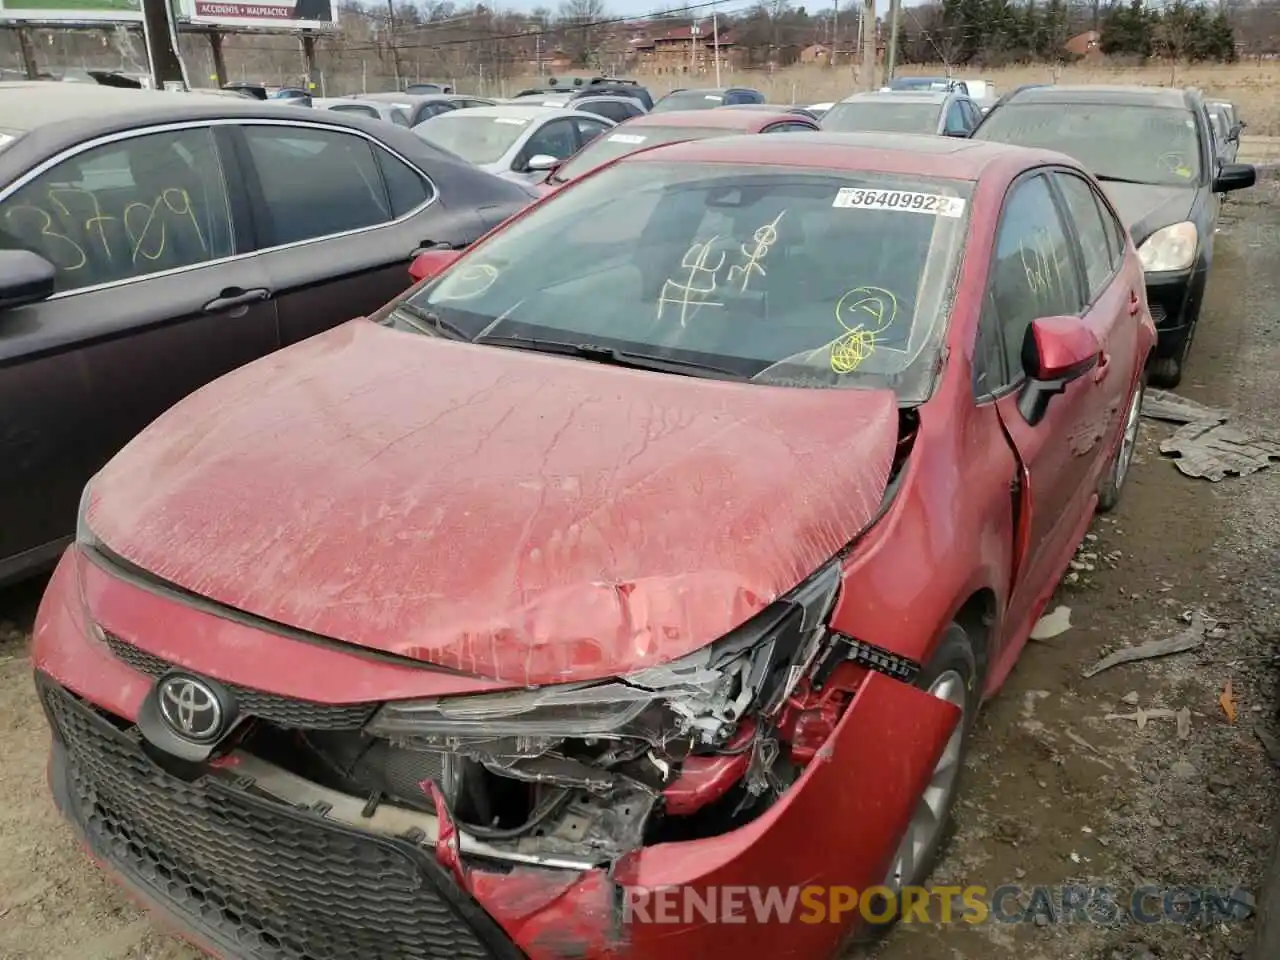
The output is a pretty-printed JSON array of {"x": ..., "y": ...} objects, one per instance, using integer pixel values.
[{"x": 1253, "y": 87}]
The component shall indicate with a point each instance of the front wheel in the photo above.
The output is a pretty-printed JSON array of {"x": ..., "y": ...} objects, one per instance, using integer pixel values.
[
  {"x": 951, "y": 675},
  {"x": 1109, "y": 493}
]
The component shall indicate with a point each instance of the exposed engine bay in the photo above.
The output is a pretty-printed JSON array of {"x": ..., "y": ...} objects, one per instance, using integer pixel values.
[{"x": 589, "y": 771}]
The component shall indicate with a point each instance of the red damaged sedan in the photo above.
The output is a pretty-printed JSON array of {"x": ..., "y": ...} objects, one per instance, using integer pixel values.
[{"x": 668, "y": 538}]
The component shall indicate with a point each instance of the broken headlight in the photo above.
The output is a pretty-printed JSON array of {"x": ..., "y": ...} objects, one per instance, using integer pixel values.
[{"x": 698, "y": 699}]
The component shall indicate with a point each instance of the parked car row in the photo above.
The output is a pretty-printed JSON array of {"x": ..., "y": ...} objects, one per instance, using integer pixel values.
[{"x": 589, "y": 565}]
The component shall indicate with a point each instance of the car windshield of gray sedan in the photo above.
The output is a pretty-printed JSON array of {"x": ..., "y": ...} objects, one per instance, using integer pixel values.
[
  {"x": 883, "y": 115},
  {"x": 776, "y": 275},
  {"x": 476, "y": 139},
  {"x": 1141, "y": 144}
]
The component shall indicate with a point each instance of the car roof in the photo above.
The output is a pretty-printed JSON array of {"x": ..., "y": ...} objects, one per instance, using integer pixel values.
[
  {"x": 721, "y": 117},
  {"x": 900, "y": 96},
  {"x": 34, "y": 104},
  {"x": 1098, "y": 93},
  {"x": 515, "y": 111},
  {"x": 906, "y": 153}
]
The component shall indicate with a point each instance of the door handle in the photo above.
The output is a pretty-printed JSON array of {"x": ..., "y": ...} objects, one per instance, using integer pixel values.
[
  {"x": 1135, "y": 303},
  {"x": 1103, "y": 368},
  {"x": 235, "y": 297}
]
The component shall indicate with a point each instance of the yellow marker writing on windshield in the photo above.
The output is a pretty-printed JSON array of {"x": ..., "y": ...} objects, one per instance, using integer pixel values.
[{"x": 864, "y": 313}]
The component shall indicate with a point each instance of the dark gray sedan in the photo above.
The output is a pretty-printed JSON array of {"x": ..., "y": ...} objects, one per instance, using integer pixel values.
[
  {"x": 150, "y": 242},
  {"x": 946, "y": 113}
]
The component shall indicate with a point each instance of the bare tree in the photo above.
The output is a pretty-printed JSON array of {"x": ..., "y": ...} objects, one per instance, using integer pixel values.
[{"x": 578, "y": 19}]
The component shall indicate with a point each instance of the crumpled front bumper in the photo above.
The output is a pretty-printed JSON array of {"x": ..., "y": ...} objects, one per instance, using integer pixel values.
[{"x": 251, "y": 875}]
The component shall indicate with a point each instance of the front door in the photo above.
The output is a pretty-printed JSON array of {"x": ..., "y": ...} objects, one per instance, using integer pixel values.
[
  {"x": 150, "y": 304},
  {"x": 1036, "y": 274}
]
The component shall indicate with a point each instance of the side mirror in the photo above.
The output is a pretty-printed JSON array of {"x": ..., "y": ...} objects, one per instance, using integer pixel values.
[
  {"x": 541, "y": 163},
  {"x": 25, "y": 277},
  {"x": 1234, "y": 176},
  {"x": 1234, "y": 133},
  {"x": 1056, "y": 351},
  {"x": 432, "y": 263}
]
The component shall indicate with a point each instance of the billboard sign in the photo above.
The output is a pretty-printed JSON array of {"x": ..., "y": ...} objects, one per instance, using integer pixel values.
[
  {"x": 279, "y": 14},
  {"x": 71, "y": 11}
]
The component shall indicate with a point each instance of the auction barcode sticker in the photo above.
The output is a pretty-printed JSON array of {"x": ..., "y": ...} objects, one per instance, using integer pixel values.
[
  {"x": 626, "y": 138},
  {"x": 905, "y": 201}
]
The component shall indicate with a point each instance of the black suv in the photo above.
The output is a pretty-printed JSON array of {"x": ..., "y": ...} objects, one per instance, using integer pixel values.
[{"x": 1151, "y": 149}]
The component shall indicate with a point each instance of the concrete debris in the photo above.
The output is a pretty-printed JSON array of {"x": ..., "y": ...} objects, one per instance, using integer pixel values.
[
  {"x": 1052, "y": 624},
  {"x": 1130, "y": 698},
  {"x": 1188, "y": 639},
  {"x": 1214, "y": 450},
  {"x": 1163, "y": 405},
  {"x": 1184, "y": 723}
]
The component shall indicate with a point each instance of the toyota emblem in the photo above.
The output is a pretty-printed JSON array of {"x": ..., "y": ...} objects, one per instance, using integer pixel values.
[{"x": 190, "y": 708}]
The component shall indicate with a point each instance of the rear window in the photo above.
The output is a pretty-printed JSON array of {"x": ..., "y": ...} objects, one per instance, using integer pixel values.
[
  {"x": 624, "y": 140},
  {"x": 1144, "y": 144},
  {"x": 777, "y": 275},
  {"x": 883, "y": 115}
]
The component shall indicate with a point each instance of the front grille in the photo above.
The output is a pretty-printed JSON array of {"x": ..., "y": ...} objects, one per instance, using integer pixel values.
[
  {"x": 283, "y": 711},
  {"x": 256, "y": 878}
]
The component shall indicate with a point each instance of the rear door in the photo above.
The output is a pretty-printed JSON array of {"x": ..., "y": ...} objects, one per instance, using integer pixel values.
[
  {"x": 154, "y": 298},
  {"x": 1035, "y": 273},
  {"x": 1114, "y": 298},
  {"x": 337, "y": 218}
]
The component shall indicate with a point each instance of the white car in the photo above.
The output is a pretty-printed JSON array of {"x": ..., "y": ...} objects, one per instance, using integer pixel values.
[
  {"x": 517, "y": 142},
  {"x": 983, "y": 93}
]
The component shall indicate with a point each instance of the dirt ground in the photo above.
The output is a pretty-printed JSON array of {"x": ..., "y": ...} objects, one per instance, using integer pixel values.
[{"x": 1055, "y": 793}]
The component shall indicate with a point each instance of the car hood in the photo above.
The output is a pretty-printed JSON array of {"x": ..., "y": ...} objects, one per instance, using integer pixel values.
[
  {"x": 1145, "y": 208},
  {"x": 512, "y": 515}
]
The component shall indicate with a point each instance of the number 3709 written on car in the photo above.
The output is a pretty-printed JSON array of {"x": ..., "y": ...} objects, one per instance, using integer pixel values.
[{"x": 905, "y": 201}]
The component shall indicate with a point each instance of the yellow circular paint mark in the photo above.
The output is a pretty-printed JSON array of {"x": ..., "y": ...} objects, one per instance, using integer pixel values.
[{"x": 864, "y": 313}]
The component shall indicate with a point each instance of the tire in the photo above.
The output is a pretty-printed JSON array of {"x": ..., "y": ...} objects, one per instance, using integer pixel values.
[
  {"x": 953, "y": 657},
  {"x": 1118, "y": 472},
  {"x": 1165, "y": 372}
]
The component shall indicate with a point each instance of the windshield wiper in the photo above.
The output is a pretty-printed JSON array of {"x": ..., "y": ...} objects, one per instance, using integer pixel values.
[
  {"x": 435, "y": 324},
  {"x": 611, "y": 355}
]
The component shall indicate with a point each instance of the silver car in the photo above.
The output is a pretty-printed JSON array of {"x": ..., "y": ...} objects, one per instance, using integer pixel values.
[
  {"x": 377, "y": 109},
  {"x": 947, "y": 113},
  {"x": 419, "y": 107},
  {"x": 514, "y": 141},
  {"x": 1226, "y": 131}
]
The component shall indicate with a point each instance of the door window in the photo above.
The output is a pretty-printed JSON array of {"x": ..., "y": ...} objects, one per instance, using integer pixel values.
[
  {"x": 1095, "y": 242},
  {"x": 406, "y": 188},
  {"x": 555, "y": 139},
  {"x": 588, "y": 130},
  {"x": 610, "y": 109},
  {"x": 315, "y": 183},
  {"x": 955, "y": 119},
  {"x": 1034, "y": 273},
  {"x": 125, "y": 209}
]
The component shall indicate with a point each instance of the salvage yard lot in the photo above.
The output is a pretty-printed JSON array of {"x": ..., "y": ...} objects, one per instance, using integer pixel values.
[{"x": 1056, "y": 792}]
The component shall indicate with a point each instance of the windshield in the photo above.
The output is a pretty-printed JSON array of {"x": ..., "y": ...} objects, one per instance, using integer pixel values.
[
  {"x": 1156, "y": 145},
  {"x": 775, "y": 274},
  {"x": 688, "y": 100},
  {"x": 603, "y": 149},
  {"x": 918, "y": 83},
  {"x": 884, "y": 115},
  {"x": 477, "y": 139}
]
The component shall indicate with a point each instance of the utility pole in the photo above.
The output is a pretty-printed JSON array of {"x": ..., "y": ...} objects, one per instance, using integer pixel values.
[
  {"x": 835, "y": 30},
  {"x": 891, "y": 55},
  {"x": 28, "y": 53},
  {"x": 160, "y": 35},
  {"x": 715, "y": 41},
  {"x": 391, "y": 40},
  {"x": 869, "y": 43},
  {"x": 693, "y": 48}
]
